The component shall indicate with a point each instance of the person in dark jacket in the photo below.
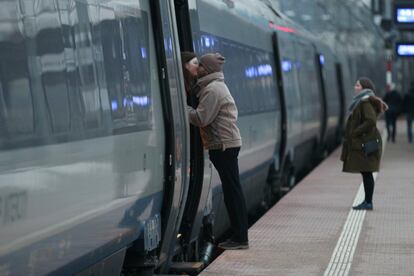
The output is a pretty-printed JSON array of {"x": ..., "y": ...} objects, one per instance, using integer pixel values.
[
  {"x": 409, "y": 112},
  {"x": 361, "y": 128},
  {"x": 394, "y": 102},
  {"x": 216, "y": 115}
]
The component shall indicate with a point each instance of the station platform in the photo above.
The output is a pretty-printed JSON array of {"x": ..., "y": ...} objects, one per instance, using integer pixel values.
[{"x": 314, "y": 231}]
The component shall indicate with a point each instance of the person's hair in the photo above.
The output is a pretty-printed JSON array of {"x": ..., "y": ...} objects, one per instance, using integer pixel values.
[
  {"x": 189, "y": 80},
  {"x": 366, "y": 83}
]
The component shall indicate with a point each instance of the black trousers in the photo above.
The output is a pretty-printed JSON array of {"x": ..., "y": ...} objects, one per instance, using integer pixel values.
[
  {"x": 226, "y": 164},
  {"x": 410, "y": 119},
  {"x": 368, "y": 179},
  {"x": 391, "y": 123}
]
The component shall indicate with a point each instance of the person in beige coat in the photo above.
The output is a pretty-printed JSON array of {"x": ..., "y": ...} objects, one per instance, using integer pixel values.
[
  {"x": 216, "y": 116},
  {"x": 360, "y": 129}
]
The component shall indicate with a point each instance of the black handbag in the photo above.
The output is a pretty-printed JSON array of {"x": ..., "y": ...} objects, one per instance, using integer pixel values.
[{"x": 370, "y": 147}]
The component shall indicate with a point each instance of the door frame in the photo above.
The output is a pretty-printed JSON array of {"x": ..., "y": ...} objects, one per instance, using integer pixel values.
[
  {"x": 341, "y": 90},
  {"x": 175, "y": 191},
  {"x": 324, "y": 107},
  {"x": 198, "y": 191},
  {"x": 283, "y": 112}
]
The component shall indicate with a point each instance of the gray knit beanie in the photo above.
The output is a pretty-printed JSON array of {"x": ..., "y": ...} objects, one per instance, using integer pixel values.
[{"x": 212, "y": 62}]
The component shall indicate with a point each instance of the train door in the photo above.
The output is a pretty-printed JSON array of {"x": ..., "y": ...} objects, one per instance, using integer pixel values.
[
  {"x": 310, "y": 105},
  {"x": 176, "y": 187},
  {"x": 293, "y": 102},
  {"x": 199, "y": 195},
  {"x": 291, "y": 95}
]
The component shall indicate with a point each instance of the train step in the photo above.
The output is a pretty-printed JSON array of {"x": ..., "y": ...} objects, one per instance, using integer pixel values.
[
  {"x": 187, "y": 267},
  {"x": 170, "y": 275}
]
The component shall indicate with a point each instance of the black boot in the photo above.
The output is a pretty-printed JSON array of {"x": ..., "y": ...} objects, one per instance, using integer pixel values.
[
  {"x": 364, "y": 206},
  {"x": 233, "y": 245}
]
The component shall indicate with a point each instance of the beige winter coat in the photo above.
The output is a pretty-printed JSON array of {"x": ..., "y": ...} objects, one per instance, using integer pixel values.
[{"x": 216, "y": 113}]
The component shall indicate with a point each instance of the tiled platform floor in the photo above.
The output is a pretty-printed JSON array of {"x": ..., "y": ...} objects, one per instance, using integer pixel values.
[{"x": 299, "y": 234}]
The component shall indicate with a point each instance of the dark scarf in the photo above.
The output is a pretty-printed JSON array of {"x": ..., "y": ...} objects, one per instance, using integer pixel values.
[{"x": 359, "y": 97}]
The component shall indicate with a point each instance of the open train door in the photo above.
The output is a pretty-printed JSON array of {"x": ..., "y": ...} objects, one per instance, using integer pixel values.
[
  {"x": 177, "y": 167},
  {"x": 199, "y": 193}
]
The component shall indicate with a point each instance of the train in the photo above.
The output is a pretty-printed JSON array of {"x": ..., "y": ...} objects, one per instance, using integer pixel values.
[{"x": 100, "y": 170}]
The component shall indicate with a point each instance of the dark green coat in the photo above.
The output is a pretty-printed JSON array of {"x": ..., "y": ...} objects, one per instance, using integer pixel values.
[{"x": 360, "y": 128}]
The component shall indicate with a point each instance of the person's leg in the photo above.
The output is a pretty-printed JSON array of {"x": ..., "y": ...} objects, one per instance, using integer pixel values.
[
  {"x": 394, "y": 126},
  {"x": 409, "y": 127},
  {"x": 368, "y": 179},
  {"x": 387, "y": 124},
  {"x": 226, "y": 163}
]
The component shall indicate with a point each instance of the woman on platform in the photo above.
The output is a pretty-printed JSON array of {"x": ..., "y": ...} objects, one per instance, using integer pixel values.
[{"x": 362, "y": 146}]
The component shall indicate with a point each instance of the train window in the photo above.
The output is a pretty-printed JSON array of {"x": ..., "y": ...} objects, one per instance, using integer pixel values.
[
  {"x": 73, "y": 70},
  {"x": 248, "y": 73},
  {"x": 104, "y": 50},
  {"x": 124, "y": 35}
]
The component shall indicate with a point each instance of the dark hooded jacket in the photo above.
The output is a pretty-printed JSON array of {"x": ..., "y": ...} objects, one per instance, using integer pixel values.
[
  {"x": 394, "y": 102},
  {"x": 360, "y": 128},
  {"x": 409, "y": 102}
]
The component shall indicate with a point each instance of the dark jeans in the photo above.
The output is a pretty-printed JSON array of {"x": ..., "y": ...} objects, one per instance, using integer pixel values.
[
  {"x": 226, "y": 164},
  {"x": 391, "y": 122},
  {"x": 368, "y": 179},
  {"x": 410, "y": 119}
]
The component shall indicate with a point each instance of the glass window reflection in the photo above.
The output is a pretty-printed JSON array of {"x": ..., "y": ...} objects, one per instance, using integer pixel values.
[{"x": 73, "y": 70}]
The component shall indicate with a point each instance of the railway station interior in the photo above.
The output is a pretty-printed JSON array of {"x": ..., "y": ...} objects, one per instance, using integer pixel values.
[{"x": 206, "y": 137}]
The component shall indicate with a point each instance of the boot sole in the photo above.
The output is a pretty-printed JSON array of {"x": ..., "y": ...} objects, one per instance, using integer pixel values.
[{"x": 234, "y": 247}]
